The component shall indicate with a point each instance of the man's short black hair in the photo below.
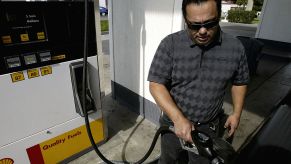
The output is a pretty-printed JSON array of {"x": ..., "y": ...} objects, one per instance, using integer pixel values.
[{"x": 198, "y": 2}]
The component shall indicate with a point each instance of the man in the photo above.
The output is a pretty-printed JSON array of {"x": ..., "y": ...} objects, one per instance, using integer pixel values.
[{"x": 189, "y": 75}]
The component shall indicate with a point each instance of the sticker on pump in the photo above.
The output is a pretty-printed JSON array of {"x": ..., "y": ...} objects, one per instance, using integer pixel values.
[
  {"x": 63, "y": 146},
  {"x": 6, "y": 161},
  {"x": 59, "y": 57},
  {"x": 32, "y": 73},
  {"x": 17, "y": 76},
  {"x": 24, "y": 37},
  {"x": 46, "y": 70},
  {"x": 6, "y": 39},
  {"x": 40, "y": 35}
]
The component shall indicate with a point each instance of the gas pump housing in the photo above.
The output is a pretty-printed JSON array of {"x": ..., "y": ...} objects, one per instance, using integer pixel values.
[{"x": 40, "y": 41}]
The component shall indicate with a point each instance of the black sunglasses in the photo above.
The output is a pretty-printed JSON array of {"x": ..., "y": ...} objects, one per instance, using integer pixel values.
[{"x": 197, "y": 26}]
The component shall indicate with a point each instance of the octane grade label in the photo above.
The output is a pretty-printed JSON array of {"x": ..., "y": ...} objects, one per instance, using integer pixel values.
[
  {"x": 32, "y": 73},
  {"x": 17, "y": 76}
]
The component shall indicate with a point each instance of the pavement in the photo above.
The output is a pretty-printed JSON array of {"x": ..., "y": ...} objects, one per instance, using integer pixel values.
[{"x": 130, "y": 135}]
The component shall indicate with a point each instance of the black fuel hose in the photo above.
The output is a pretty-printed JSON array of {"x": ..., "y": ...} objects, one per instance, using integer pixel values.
[
  {"x": 162, "y": 129},
  {"x": 84, "y": 85}
]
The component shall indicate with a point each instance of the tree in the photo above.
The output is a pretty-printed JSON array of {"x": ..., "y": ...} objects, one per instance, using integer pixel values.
[
  {"x": 233, "y": 1},
  {"x": 258, "y": 5},
  {"x": 242, "y": 3}
]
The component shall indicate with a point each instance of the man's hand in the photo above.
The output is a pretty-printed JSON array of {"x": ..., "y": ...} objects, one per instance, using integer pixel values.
[
  {"x": 183, "y": 128},
  {"x": 231, "y": 124},
  {"x": 238, "y": 95}
]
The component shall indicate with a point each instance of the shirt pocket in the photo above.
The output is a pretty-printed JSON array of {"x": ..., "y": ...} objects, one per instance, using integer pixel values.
[{"x": 222, "y": 66}]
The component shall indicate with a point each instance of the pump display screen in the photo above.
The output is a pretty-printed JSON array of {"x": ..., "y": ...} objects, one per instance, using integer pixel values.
[{"x": 22, "y": 26}]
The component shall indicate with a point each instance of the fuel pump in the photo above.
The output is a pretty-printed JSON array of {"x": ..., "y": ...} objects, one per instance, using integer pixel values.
[{"x": 41, "y": 47}]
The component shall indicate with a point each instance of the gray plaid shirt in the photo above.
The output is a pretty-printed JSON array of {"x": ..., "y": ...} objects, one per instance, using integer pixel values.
[{"x": 197, "y": 77}]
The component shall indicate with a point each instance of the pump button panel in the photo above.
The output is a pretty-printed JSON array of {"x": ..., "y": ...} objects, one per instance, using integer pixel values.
[
  {"x": 45, "y": 56},
  {"x": 29, "y": 59},
  {"x": 13, "y": 62}
]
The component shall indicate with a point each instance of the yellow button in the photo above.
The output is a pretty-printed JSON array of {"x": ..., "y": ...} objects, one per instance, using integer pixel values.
[
  {"x": 32, "y": 73},
  {"x": 40, "y": 35},
  {"x": 24, "y": 37},
  {"x": 17, "y": 76},
  {"x": 6, "y": 39},
  {"x": 46, "y": 70}
]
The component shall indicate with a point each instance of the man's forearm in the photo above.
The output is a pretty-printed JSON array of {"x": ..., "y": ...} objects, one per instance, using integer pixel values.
[
  {"x": 183, "y": 126},
  {"x": 238, "y": 96},
  {"x": 165, "y": 101}
]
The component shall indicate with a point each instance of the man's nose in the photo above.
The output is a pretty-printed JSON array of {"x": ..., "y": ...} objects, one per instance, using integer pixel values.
[{"x": 202, "y": 31}]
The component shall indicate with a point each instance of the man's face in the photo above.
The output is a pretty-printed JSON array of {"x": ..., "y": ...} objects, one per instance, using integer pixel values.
[{"x": 202, "y": 21}]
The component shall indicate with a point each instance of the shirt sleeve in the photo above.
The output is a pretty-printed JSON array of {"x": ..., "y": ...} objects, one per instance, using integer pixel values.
[
  {"x": 241, "y": 75},
  {"x": 161, "y": 66}
]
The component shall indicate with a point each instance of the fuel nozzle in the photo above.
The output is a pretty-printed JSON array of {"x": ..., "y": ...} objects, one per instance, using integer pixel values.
[
  {"x": 217, "y": 150},
  {"x": 204, "y": 143}
]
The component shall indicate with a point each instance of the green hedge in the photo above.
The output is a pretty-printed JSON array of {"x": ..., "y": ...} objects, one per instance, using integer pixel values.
[
  {"x": 104, "y": 25},
  {"x": 241, "y": 16}
]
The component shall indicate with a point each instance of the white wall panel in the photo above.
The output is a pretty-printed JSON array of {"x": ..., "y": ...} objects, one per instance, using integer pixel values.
[
  {"x": 138, "y": 26},
  {"x": 275, "y": 21}
]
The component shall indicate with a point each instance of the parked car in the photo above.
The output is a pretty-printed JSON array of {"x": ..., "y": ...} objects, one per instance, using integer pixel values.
[
  {"x": 103, "y": 11},
  {"x": 258, "y": 14}
]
